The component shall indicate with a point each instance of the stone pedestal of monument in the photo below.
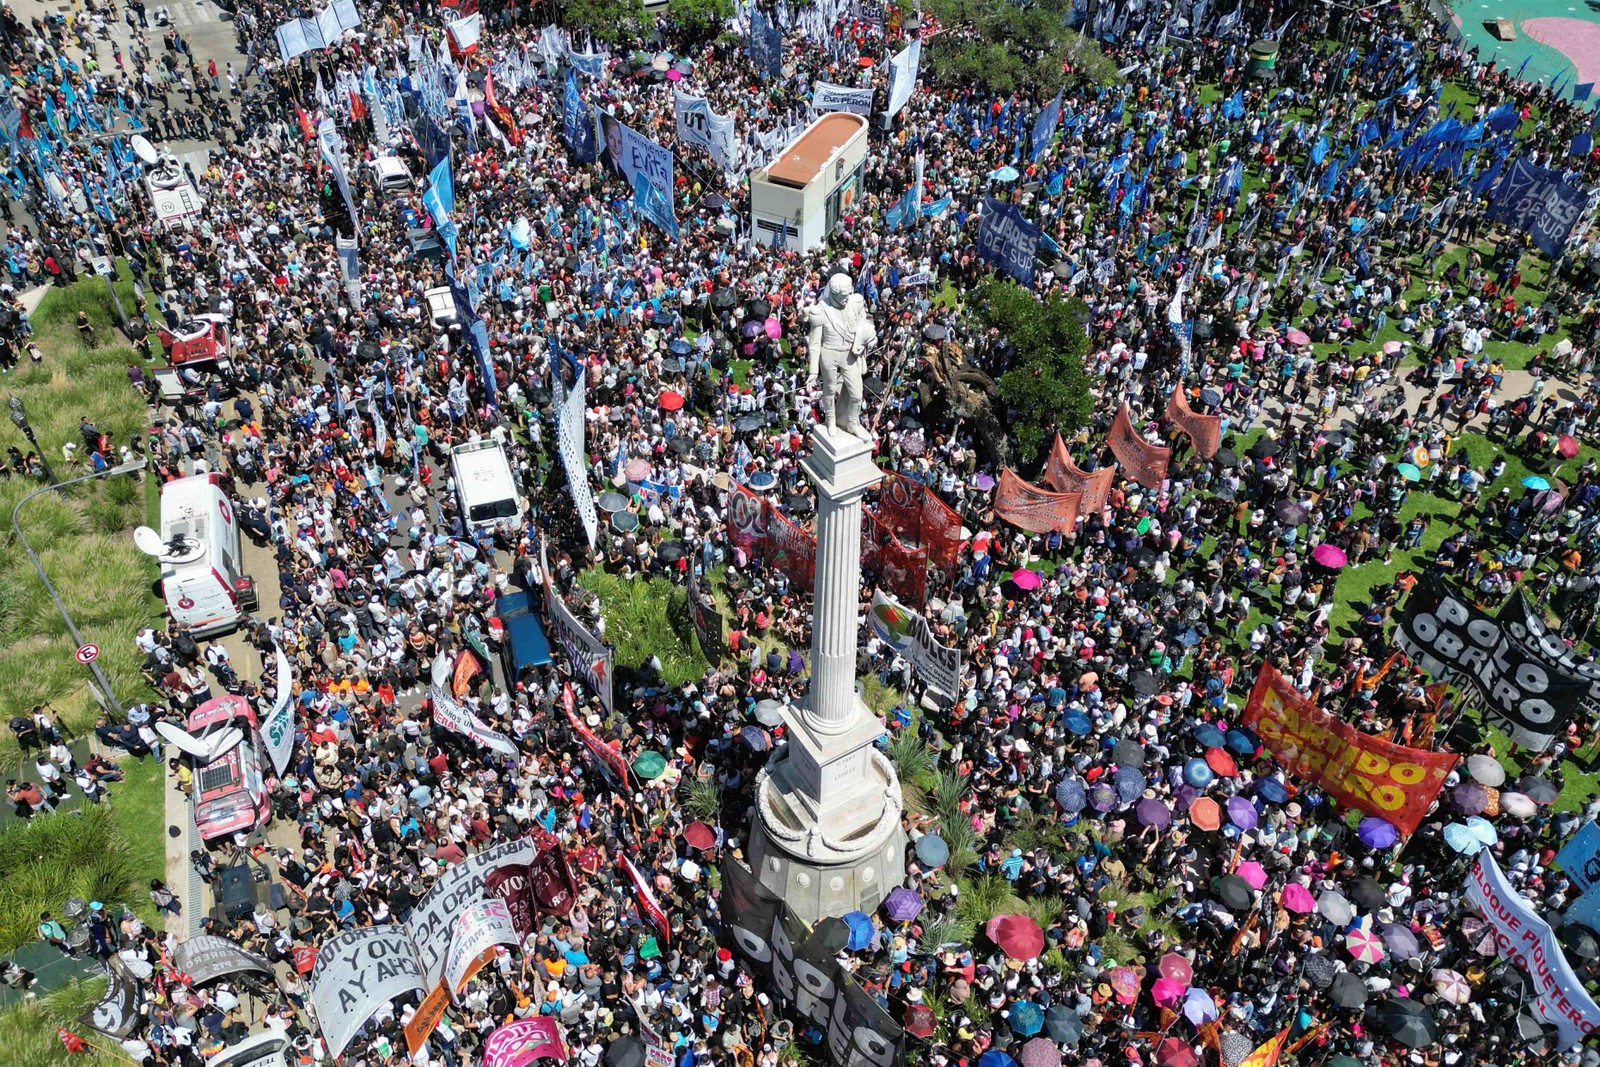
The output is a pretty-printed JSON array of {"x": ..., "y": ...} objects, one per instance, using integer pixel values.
[{"x": 828, "y": 803}]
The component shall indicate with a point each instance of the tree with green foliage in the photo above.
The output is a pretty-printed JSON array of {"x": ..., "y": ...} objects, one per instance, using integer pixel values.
[
  {"x": 609, "y": 21},
  {"x": 1046, "y": 387},
  {"x": 698, "y": 20},
  {"x": 1004, "y": 46}
]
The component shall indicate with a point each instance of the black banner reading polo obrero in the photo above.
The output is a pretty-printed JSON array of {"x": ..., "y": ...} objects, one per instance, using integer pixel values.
[
  {"x": 1442, "y": 633},
  {"x": 1528, "y": 629}
]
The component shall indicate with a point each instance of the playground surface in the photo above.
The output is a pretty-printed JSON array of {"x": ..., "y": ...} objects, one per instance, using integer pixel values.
[{"x": 1558, "y": 41}]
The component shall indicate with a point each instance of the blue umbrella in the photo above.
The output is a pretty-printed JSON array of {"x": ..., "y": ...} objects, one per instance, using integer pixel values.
[
  {"x": 1102, "y": 796},
  {"x": 1076, "y": 721},
  {"x": 1070, "y": 794},
  {"x": 1005, "y": 174},
  {"x": 1209, "y": 736},
  {"x": 1461, "y": 839},
  {"x": 995, "y": 1058},
  {"x": 1377, "y": 833},
  {"x": 861, "y": 930},
  {"x": 1241, "y": 742},
  {"x": 1027, "y": 1018},
  {"x": 1272, "y": 791},
  {"x": 1130, "y": 782},
  {"x": 755, "y": 738},
  {"x": 679, "y": 347},
  {"x": 932, "y": 850},
  {"x": 1198, "y": 773},
  {"x": 1533, "y": 481}
]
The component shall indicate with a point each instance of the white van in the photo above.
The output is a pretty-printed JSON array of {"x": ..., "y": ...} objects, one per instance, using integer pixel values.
[
  {"x": 485, "y": 484},
  {"x": 390, "y": 175},
  {"x": 202, "y": 572}
]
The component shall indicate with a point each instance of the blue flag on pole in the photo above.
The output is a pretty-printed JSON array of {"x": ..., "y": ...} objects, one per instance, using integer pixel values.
[
  {"x": 1581, "y": 91},
  {"x": 1044, "y": 127},
  {"x": 1007, "y": 241}
]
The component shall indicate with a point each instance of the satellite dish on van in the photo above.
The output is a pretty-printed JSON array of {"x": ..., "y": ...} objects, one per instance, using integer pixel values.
[
  {"x": 143, "y": 149},
  {"x": 183, "y": 740},
  {"x": 221, "y": 741},
  {"x": 148, "y": 541}
]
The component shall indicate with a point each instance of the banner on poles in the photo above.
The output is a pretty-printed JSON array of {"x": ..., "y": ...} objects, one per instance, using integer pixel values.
[
  {"x": 1203, "y": 431},
  {"x": 1145, "y": 463},
  {"x": 827, "y": 97},
  {"x": 588, "y": 656},
  {"x": 1378, "y": 777},
  {"x": 916, "y": 515},
  {"x": 888, "y": 562},
  {"x": 909, "y": 634},
  {"x": 1007, "y": 241},
  {"x": 277, "y": 729},
  {"x": 700, "y": 126},
  {"x": 1036, "y": 510},
  {"x": 608, "y": 758},
  {"x": 522, "y": 1041},
  {"x": 706, "y": 619},
  {"x": 1063, "y": 475},
  {"x": 756, "y": 527},
  {"x": 903, "y": 77},
  {"x": 649, "y": 906}
]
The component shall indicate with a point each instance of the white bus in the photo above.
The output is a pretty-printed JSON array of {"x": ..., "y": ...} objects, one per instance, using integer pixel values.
[{"x": 485, "y": 484}]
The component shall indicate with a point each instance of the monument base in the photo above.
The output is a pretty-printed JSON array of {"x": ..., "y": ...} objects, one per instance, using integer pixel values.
[{"x": 844, "y": 853}]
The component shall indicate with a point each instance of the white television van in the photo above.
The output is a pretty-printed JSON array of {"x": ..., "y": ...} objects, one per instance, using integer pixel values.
[
  {"x": 202, "y": 572},
  {"x": 485, "y": 484}
]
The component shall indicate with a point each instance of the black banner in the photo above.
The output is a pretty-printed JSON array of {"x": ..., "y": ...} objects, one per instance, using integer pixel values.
[
  {"x": 118, "y": 1010},
  {"x": 1527, "y": 627},
  {"x": 706, "y": 618},
  {"x": 1441, "y": 633},
  {"x": 784, "y": 954}
]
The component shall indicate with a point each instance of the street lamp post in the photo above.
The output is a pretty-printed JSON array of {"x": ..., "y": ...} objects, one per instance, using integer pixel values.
[
  {"x": 16, "y": 526},
  {"x": 19, "y": 415}
]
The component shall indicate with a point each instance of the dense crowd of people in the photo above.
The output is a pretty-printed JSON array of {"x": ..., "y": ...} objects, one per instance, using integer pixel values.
[{"x": 1145, "y": 629}]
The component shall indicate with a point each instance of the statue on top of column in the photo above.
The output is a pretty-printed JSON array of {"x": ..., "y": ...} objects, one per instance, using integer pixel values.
[{"x": 840, "y": 331}]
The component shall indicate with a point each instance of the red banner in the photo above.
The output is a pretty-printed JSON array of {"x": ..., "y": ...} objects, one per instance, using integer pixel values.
[
  {"x": 1144, "y": 462},
  {"x": 609, "y": 757},
  {"x": 512, "y": 886},
  {"x": 647, "y": 901},
  {"x": 1204, "y": 431},
  {"x": 890, "y": 564},
  {"x": 1025, "y": 505},
  {"x": 756, "y": 526},
  {"x": 1063, "y": 475},
  {"x": 1364, "y": 772},
  {"x": 917, "y": 516}
]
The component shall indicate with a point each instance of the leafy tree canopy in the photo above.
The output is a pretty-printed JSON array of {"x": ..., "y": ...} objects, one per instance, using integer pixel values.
[
  {"x": 1045, "y": 385},
  {"x": 1004, "y": 46}
]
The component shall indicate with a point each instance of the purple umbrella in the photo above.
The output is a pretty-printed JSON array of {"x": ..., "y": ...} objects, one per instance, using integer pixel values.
[
  {"x": 1102, "y": 797},
  {"x": 984, "y": 482},
  {"x": 1183, "y": 796},
  {"x": 1152, "y": 812},
  {"x": 1470, "y": 798},
  {"x": 1242, "y": 813},
  {"x": 1377, "y": 833},
  {"x": 902, "y": 904}
]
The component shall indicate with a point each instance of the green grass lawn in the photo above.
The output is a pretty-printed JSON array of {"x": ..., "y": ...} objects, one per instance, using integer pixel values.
[
  {"x": 648, "y": 617},
  {"x": 28, "y": 1032},
  {"x": 81, "y": 534}
]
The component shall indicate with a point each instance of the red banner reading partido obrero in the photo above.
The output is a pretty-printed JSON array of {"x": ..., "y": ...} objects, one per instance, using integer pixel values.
[{"x": 1367, "y": 773}]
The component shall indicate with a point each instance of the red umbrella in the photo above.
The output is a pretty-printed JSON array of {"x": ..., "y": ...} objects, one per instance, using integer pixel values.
[
  {"x": 699, "y": 836},
  {"x": 1566, "y": 446},
  {"x": 919, "y": 1020},
  {"x": 1017, "y": 935},
  {"x": 669, "y": 400},
  {"x": 1221, "y": 762},
  {"x": 1176, "y": 967},
  {"x": 1175, "y": 1052},
  {"x": 864, "y": 62}
]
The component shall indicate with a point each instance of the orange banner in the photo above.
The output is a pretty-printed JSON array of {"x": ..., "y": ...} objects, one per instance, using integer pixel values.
[
  {"x": 1063, "y": 475},
  {"x": 1204, "y": 431},
  {"x": 1144, "y": 462},
  {"x": 1267, "y": 1054},
  {"x": 1364, "y": 772},
  {"x": 1028, "y": 507},
  {"x": 427, "y": 1016}
]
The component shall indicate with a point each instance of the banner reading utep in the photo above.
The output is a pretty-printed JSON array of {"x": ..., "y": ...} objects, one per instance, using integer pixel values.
[
  {"x": 1528, "y": 941},
  {"x": 887, "y": 562},
  {"x": 1026, "y": 506},
  {"x": 519, "y": 1042},
  {"x": 1144, "y": 462},
  {"x": 1204, "y": 431},
  {"x": 918, "y": 517},
  {"x": 1367, "y": 773},
  {"x": 1063, "y": 475}
]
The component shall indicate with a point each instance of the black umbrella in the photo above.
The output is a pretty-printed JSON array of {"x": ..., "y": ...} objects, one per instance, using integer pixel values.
[
  {"x": 1145, "y": 683},
  {"x": 1334, "y": 437},
  {"x": 935, "y": 331},
  {"x": 799, "y": 504},
  {"x": 1062, "y": 1024},
  {"x": 1234, "y": 892},
  {"x": 1408, "y": 1022},
  {"x": 1348, "y": 991},
  {"x": 1227, "y": 457},
  {"x": 1128, "y": 753},
  {"x": 1265, "y": 447},
  {"x": 1537, "y": 1035},
  {"x": 1513, "y": 981},
  {"x": 831, "y": 935},
  {"x": 1580, "y": 941},
  {"x": 758, "y": 309},
  {"x": 625, "y": 1052},
  {"x": 680, "y": 446},
  {"x": 1319, "y": 970},
  {"x": 1369, "y": 894},
  {"x": 670, "y": 551},
  {"x": 723, "y": 298},
  {"x": 747, "y": 423},
  {"x": 715, "y": 200}
]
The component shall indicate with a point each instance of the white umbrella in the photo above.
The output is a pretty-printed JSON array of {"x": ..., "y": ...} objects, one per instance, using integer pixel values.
[{"x": 1486, "y": 769}]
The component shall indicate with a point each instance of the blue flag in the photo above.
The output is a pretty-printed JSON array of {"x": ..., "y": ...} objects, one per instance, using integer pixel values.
[
  {"x": 1007, "y": 241},
  {"x": 1044, "y": 127},
  {"x": 1319, "y": 151},
  {"x": 1581, "y": 91},
  {"x": 654, "y": 204},
  {"x": 576, "y": 124},
  {"x": 766, "y": 43}
]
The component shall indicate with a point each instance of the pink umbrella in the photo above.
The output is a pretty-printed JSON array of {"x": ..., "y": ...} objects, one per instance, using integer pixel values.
[
  {"x": 1166, "y": 992},
  {"x": 1364, "y": 945},
  {"x": 773, "y": 328},
  {"x": 1177, "y": 967},
  {"x": 1297, "y": 337},
  {"x": 1330, "y": 556},
  {"x": 1125, "y": 984},
  {"x": 1566, "y": 446},
  {"x": 1391, "y": 347},
  {"x": 1017, "y": 935},
  {"x": 1026, "y": 580},
  {"x": 1298, "y": 899},
  {"x": 674, "y": 74},
  {"x": 1252, "y": 872}
]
